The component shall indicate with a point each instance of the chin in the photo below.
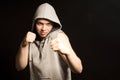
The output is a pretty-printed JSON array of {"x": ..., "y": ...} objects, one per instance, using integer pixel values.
[{"x": 43, "y": 36}]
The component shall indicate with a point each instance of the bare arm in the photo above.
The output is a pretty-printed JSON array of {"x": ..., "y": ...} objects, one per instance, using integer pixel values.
[
  {"x": 74, "y": 62},
  {"x": 62, "y": 44},
  {"x": 22, "y": 55}
]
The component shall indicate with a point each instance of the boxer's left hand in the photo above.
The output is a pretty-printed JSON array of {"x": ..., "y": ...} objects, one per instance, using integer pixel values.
[{"x": 61, "y": 44}]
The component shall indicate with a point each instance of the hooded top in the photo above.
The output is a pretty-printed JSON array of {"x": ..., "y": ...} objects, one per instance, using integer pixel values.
[
  {"x": 46, "y": 64},
  {"x": 46, "y": 11}
]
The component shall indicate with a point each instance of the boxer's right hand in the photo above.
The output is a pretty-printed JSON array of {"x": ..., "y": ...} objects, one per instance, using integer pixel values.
[{"x": 30, "y": 37}]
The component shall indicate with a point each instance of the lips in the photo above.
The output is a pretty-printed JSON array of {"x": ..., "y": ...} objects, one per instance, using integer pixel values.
[{"x": 43, "y": 33}]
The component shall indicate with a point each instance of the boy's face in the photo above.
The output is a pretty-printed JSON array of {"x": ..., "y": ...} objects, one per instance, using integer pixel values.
[{"x": 43, "y": 27}]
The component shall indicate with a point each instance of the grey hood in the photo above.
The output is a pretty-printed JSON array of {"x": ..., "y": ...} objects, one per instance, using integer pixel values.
[{"x": 46, "y": 11}]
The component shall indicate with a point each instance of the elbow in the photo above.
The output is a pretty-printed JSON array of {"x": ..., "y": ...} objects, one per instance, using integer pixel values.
[
  {"x": 78, "y": 70},
  {"x": 19, "y": 68}
]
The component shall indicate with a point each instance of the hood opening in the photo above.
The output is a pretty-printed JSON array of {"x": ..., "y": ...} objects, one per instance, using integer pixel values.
[{"x": 56, "y": 26}]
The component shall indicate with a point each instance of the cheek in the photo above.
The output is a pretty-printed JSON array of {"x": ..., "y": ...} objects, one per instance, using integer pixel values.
[
  {"x": 50, "y": 28},
  {"x": 38, "y": 28}
]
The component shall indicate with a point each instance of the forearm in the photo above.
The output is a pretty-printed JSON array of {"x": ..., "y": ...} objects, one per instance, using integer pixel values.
[
  {"x": 74, "y": 62},
  {"x": 22, "y": 57},
  {"x": 63, "y": 46}
]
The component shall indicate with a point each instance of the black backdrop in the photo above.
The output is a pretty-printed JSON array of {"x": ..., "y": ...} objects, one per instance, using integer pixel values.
[{"x": 92, "y": 26}]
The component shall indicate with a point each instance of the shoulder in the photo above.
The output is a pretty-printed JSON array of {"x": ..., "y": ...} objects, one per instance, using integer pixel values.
[
  {"x": 59, "y": 33},
  {"x": 62, "y": 34}
]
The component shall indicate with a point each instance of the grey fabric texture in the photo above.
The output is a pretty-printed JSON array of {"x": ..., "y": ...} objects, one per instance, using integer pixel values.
[{"x": 46, "y": 64}]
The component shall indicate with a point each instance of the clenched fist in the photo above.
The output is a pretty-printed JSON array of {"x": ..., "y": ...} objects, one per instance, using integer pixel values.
[
  {"x": 61, "y": 44},
  {"x": 30, "y": 37}
]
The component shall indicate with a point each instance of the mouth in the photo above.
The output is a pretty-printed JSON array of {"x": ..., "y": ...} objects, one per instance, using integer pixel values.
[{"x": 43, "y": 33}]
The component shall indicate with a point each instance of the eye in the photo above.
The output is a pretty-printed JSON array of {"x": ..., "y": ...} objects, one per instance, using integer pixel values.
[
  {"x": 39, "y": 23},
  {"x": 49, "y": 24}
]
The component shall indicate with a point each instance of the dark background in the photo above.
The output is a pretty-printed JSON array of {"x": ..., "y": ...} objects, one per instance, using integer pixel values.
[{"x": 92, "y": 26}]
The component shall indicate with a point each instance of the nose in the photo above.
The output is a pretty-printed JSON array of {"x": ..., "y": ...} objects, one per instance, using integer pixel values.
[{"x": 43, "y": 27}]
